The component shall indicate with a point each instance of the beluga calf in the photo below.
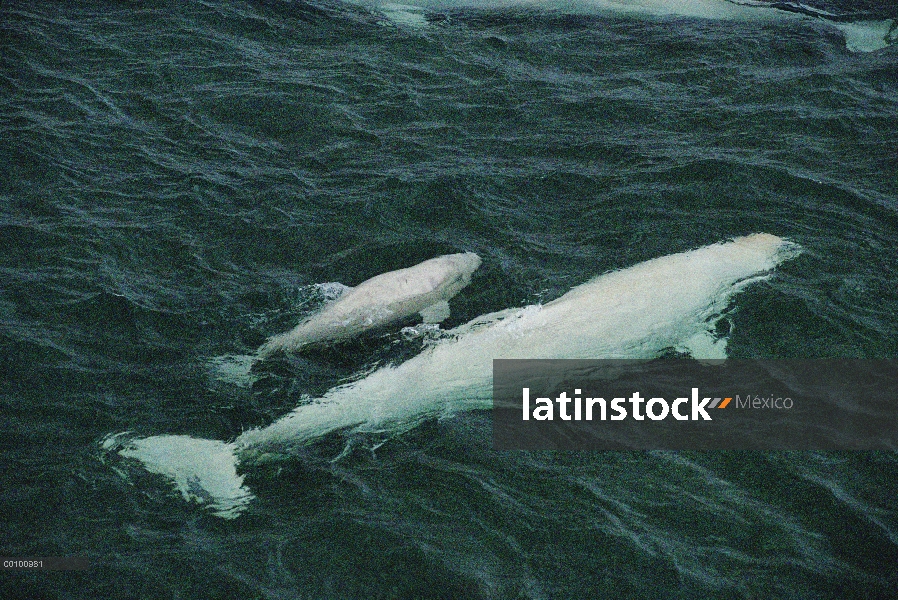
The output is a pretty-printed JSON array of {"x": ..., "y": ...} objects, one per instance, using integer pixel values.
[
  {"x": 385, "y": 299},
  {"x": 425, "y": 288}
]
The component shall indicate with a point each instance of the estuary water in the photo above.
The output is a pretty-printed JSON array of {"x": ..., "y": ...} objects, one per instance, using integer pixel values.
[{"x": 181, "y": 180}]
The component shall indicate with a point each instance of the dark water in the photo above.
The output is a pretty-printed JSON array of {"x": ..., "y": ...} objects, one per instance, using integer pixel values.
[{"x": 175, "y": 176}]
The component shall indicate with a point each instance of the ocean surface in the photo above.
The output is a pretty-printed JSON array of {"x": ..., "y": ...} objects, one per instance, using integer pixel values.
[{"x": 177, "y": 179}]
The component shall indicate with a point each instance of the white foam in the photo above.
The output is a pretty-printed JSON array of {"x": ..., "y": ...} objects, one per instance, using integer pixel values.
[
  {"x": 332, "y": 290},
  {"x": 404, "y": 14},
  {"x": 234, "y": 369}
]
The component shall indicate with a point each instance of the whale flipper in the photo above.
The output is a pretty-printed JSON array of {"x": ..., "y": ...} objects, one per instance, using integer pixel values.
[
  {"x": 705, "y": 346},
  {"x": 436, "y": 313}
]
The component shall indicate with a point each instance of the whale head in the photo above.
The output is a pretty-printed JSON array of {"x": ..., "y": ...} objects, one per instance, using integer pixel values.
[{"x": 462, "y": 266}]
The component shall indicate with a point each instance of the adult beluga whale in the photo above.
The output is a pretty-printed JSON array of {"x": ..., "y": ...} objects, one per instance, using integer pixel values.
[
  {"x": 388, "y": 298},
  {"x": 860, "y": 35},
  {"x": 638, "y": 312}
]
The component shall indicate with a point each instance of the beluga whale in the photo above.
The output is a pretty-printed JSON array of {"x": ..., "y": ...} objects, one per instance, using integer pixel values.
[
  {"x": 639, "y": 312},
  {"x": 382, "y": 300},
  {"x": 425, "y": 288},
  {"x": 860, "y": 35}
]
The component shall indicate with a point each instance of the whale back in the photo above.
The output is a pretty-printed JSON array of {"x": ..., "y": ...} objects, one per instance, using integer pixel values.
[
  {"x": 410, "y": 290},
  {"x": 380, "y": 301}
]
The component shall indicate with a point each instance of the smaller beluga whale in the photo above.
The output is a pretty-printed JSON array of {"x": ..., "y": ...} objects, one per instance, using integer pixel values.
[
  {"x": 425, "y": 288},
  {"x": 673, "y": 301},
  {"x": 383, "y": 300}
]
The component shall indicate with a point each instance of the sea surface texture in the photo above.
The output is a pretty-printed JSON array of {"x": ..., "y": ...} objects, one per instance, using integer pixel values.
[{"x": 179, "y": 181}]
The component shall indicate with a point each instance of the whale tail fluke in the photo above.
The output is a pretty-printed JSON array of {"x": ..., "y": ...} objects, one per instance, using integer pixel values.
[{"x": 204, "y": 471}]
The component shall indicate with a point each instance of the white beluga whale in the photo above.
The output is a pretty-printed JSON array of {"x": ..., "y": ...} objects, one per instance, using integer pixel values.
[
  {"x": 425, "y": 288},
  {"x": 669, "y": 302},
  {"x": 860, "y": 36},
  {"x": 385, "y": 299}
]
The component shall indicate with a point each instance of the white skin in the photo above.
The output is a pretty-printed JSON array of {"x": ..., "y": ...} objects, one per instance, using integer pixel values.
[{"x": 381, "y": 300}]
